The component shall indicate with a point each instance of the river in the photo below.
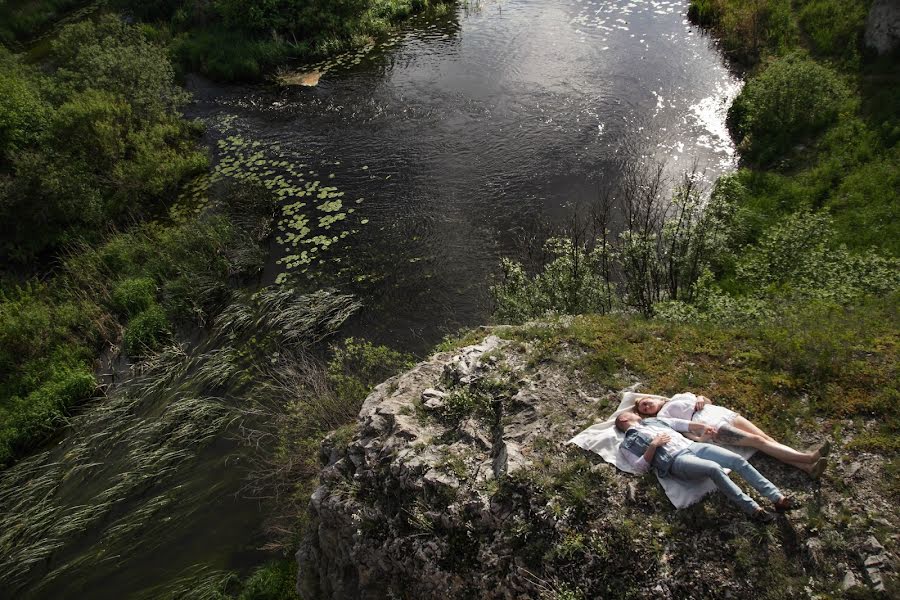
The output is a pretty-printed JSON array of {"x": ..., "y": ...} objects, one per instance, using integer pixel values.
[
  {"x": 405, "y": 174},
  {"x": 451, "y": 138}
]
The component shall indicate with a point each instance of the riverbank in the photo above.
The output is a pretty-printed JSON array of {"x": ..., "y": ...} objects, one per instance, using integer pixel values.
[{"x": 244, "y": 41}]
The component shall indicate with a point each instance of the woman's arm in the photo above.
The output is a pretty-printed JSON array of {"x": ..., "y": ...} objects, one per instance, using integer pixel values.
[{"x": 701, "y": 402}]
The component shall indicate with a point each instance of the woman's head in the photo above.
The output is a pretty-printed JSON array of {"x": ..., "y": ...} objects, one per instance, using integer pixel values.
[
  {"x": 648, "y": 406},
  {"x": 625, "y": 420}
]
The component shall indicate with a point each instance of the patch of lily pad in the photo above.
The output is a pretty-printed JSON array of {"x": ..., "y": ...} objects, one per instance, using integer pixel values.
[{"x": 312, "y": 217}]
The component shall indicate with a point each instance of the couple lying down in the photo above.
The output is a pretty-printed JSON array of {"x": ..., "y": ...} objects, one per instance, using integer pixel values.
[{"x": 671, "y": 441}]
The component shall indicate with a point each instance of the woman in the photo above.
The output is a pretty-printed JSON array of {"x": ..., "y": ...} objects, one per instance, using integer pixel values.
[{"x": 731, "y": 428}]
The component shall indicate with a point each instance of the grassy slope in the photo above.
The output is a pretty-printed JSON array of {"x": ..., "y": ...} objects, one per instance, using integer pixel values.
[{"x": 847, "y": 167}]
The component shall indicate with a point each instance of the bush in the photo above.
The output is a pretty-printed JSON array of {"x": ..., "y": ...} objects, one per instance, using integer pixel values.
[
  {"x": 799, "y": 256},
  {"x": 133, "y": 296},
  {"x": 25, "y": 420},
  {"x": 23, "y": 113},
  {"x": 356, "y": 366},
  {"x": 108, "y": 54},
  {"x": 790, "y": 101},
  {"x": 147, "y": 331}
]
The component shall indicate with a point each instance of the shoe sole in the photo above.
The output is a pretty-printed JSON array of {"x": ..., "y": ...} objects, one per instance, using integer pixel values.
[{"x": 820, "y": 467}]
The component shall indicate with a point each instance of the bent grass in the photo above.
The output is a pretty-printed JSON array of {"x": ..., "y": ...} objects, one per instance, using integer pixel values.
[{"x": 127, "y": 460}]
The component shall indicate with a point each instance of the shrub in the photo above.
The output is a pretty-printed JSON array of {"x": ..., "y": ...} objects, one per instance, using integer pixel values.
[
  {"x": 23, "y": 113},
  {"x": 356, "y": 366},
  {"x": 274, "y": 581},
  {"x": 147, "y": 331},
  {"x": 133, "y": 296},
  {"x": 790, "y": 101},
  {"x": 800, "y": 256},
  {"x": 27, "y": 419},
  {"x": 110, "y": 55}
]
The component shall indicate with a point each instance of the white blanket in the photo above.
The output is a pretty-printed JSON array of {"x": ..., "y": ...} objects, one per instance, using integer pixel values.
[{"x": 604, "y": 439}]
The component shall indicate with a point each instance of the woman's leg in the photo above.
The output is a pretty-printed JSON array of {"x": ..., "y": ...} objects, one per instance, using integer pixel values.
[
  {"x": 745, "y": 425},
  {"x": 728, "y": 434},
  {"x": 739, "y": 465},
  {"x": 689, "y": 466}
]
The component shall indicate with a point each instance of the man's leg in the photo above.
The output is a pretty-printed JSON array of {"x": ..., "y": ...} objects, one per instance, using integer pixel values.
[
  {"x": 690, "y": 466},
  {"x": 739, "y": 465}
]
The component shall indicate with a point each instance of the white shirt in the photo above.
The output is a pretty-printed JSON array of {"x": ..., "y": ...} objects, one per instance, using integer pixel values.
[
  {"x": 712, "y": 415},
  {"x": 676, "y": 443}
]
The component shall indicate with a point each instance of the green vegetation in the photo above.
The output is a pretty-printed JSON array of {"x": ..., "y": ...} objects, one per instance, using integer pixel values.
[
  {"x": 235, "y": 39},
  {"x": 20, "y": 20},
  {"x": 791, "y": 100},
  {"x": 810, "y": 218},
  {"x": 96, "y": 143},
  {"x": 91, "y": 144}
]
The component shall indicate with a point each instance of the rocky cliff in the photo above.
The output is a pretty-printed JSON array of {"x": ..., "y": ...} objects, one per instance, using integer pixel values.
[{"x": 458, "y": 484}]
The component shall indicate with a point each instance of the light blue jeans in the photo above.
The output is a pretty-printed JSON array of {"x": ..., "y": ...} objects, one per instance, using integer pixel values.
[{"x": 705, "y": 460}]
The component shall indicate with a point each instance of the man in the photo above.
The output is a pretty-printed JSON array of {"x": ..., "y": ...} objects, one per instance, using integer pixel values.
[{"x": 656, "y": 443}]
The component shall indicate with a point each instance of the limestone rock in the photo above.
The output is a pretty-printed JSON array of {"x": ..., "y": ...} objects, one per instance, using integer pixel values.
[
  {"x": 479, "y": 496},
  {"x": 883, "y": 26}
]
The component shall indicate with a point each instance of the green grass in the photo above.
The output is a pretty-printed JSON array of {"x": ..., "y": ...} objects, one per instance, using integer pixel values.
[{"x": 841, "y": 360}]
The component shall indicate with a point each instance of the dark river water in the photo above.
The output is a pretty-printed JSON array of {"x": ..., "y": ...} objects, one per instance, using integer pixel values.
[
  {"x": 405, "y": 175},
  {"x": 452, "y": 137}
]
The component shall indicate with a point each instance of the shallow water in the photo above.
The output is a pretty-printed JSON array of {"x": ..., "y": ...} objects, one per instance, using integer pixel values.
[
  {"x": 448, "y": 139},
  {"x": 405, "y": 174}
]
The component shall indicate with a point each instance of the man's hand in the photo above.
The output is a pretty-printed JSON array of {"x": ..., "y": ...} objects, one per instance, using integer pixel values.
[
  {"x": 661, "y": 440},
  {"x": 701, "y": 402}
]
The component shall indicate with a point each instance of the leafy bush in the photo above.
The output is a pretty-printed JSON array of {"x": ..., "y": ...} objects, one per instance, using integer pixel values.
[
  {"x": 799, "y": 256},
  {"x": 571, "y": 282},
  {"x": 133, "y": 296},
  {"x": 356, "y": 366},
  {"x": 23, "y": 112},
  {"x": 147, "y": 331},
  {"x": 110, "y": 55},
  {"x": 791, "y": 100},
  {"x": 96, "y": 142}
]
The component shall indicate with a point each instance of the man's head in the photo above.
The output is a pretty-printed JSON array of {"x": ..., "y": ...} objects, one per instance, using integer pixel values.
[{"x": 627, "y": 420}]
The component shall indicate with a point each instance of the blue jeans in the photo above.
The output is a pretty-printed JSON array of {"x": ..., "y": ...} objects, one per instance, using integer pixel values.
[{"x": 705, "y": 460}]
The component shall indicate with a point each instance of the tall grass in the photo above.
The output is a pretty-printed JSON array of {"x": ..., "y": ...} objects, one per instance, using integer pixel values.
[{"x": 138, "y": 456}]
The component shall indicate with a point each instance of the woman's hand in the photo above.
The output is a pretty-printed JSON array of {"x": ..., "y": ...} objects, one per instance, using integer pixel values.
[
  {"x": 701, "y": 402},
  {"x": 661, "y": 440}
]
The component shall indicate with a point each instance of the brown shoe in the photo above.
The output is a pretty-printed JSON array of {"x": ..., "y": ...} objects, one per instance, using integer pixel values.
[
  {"x": 761, "y": 515},
  {"x": 785, "y": 504},
  {"x": 818, "y": 468},
  {"x": 824, "y": 449}
]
